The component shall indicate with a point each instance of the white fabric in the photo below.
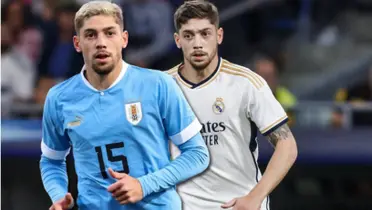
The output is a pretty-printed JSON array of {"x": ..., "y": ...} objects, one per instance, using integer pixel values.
[
  {"x": 121, "y": 75},
  {"x": 226, "y": 105},
  {"x": 187, "y": 133},
  {"x": 17, "y": 75},
  {"x": 53, "y": 154}
]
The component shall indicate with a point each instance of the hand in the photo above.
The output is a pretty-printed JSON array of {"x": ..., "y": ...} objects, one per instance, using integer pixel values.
[
  {"x": 243, "y": 203},
  {"x": 65, "y": 203},
  {"x": 127, "y": 189}
]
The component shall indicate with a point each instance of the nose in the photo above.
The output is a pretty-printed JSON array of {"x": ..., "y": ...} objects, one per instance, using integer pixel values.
[
  {"x": 101, "y": 42},
  {"x": 198, "y": 42}
]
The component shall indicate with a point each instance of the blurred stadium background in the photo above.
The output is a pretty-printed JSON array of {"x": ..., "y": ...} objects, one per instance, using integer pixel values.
[{"x": 315, "y": 54}]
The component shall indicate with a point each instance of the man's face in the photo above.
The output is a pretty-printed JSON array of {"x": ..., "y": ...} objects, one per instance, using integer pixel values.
[
  {"x": 199, "y": 40},
  {"x": 31, "y": 42},
  {"x": 101, "y": 41}
]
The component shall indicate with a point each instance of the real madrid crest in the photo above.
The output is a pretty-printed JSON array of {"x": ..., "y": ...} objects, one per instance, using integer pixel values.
[
  {"x": 133, "y": 112},
  {"x": 218, "y": 106}
]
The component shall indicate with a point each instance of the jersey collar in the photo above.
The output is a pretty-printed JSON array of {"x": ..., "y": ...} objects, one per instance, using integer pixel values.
[
  {"x": 203, "y": 83},
  {"x": 121, "y": 75}
]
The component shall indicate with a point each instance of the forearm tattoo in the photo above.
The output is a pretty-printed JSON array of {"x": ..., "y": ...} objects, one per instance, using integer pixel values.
[{"x": 281, "y": 133}]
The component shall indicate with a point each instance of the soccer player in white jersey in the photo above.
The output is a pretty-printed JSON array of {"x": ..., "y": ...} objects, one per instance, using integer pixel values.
[{"x": 233, "y": 103}]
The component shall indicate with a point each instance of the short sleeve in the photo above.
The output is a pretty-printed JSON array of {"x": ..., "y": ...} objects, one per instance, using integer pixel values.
[
  {"x": 265, "y": 110},
  {"x": 55, "y": 143},
  {"x": 178, "y": 118}
]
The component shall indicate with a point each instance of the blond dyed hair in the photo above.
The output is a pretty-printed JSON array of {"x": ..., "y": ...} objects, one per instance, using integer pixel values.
[{"x": 95, "y": 8}]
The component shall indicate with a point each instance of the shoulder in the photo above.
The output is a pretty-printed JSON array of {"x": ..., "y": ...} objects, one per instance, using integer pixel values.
[
  {"x": 242, "y": 74},
  {"x": 151, "y": 76},
  {"x": 173, "y": 71},
  {"x": 64, "y": 88}
]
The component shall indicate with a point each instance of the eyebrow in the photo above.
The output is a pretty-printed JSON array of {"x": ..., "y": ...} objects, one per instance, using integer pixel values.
[
  {"x": 192, "y": 31},
  {"x": 104, "y": 29}
]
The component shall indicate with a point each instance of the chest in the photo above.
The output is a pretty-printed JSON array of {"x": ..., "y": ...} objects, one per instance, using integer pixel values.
[
  {"x": 215, "y": 102},
  {"x": 103, "y": 118}
]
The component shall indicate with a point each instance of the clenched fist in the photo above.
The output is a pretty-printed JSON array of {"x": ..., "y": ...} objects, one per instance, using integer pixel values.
[{"x": 126, "y": 189}]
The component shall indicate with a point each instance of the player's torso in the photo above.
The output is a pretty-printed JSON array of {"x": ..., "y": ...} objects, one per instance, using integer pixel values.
[
  {"x": 220, "y": 105},
  {"x": 110, "y": 125},
  {"x": 119, "y": 128}
]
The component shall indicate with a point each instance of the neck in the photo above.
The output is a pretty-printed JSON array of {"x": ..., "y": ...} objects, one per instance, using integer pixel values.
[
  {"x": 102, "y": 82},
  {"x": 197, "y": 76}
]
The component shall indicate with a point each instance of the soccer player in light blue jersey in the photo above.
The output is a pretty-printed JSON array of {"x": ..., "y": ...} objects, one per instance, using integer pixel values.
[{"x": 118, "y": 120}]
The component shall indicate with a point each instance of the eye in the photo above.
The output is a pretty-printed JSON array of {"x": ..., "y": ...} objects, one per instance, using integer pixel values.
[
  {"x": 187, "y": 36},
  {"x": 110, "y": 33},
  {"x": 205, "y": 33},
  {"x": 89, "y": 35}
]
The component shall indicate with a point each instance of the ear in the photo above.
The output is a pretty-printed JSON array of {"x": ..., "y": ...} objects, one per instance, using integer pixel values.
[
  {"x": 125, "y": 37},
  {"x": 219, "y": 35},
  {"x": 76, "y": 43},
  {"x": 177, "y": 40}
]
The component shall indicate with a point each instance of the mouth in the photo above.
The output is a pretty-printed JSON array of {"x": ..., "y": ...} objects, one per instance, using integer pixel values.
[
  {"x": 102, "y": 56},
  {"x": 198, "y": 55}
]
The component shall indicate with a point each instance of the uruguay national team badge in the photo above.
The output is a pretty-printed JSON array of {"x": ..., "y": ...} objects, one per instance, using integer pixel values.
[
  {"x": 218, "y": 106},
  {"x": 133, "y": 112}
]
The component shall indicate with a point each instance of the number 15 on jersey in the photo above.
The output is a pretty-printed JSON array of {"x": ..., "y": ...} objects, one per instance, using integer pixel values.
[{"x": 111, "y": 158}]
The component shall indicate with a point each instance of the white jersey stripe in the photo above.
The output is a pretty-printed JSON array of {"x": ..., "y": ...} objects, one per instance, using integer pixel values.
[
  {"x": 249, "y": 77},
  {"x": 53, "y": 154},
  {"x": 187, "y": 133},
  {"x": 240, "y": 69}
]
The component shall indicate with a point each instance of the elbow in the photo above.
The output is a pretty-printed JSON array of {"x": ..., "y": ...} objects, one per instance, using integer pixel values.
[
  {"x": 203, "y": 159},
  {"x": 206, "y": 159},
  {"x": 43, "y": 161},
  {"x": 46, "y": 162},
  {"x": 288, "y": 148},
  {"x": 197, "y": 152}
]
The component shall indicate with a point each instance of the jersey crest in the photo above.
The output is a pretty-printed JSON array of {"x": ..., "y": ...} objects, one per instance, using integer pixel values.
[
  {"x": 134, "y": 112},
  {"x": 218, "y": 106}
]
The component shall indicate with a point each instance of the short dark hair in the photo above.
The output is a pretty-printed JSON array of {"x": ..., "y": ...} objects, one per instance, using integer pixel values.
[{"x": 200, "y": 9}]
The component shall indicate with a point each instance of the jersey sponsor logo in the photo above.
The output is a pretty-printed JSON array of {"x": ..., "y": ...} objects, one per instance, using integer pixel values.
[
  {"x": 74, "y": 123},
  {"x": 210, "y": 132},
  {"x": 134, "y": 112},
  {"x": 218, "y": 106}
]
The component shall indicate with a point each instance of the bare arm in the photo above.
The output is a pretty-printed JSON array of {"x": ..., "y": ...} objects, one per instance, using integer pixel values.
[
  {"x": 282, "y": 133},
  {"x": 282, "y": 160}
]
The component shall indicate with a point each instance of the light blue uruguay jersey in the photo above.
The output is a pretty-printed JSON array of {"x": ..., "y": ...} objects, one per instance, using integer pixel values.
[{"x": 126, "y": 127}]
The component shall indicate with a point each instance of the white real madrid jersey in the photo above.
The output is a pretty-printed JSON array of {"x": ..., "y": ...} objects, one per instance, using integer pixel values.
[{"x": 233, "y": 104}]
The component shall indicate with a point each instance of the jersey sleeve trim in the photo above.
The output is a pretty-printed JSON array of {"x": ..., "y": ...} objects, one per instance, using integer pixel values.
[
  {"x": 274, "y": 125},
  {"x": 53, "y": 154},
  {"x": 187, "y": 133}
]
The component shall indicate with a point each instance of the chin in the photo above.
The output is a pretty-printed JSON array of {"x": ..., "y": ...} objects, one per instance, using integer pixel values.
[
  {"x": 200, "y": 65},
  {"x": 103, "y": 69}
]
